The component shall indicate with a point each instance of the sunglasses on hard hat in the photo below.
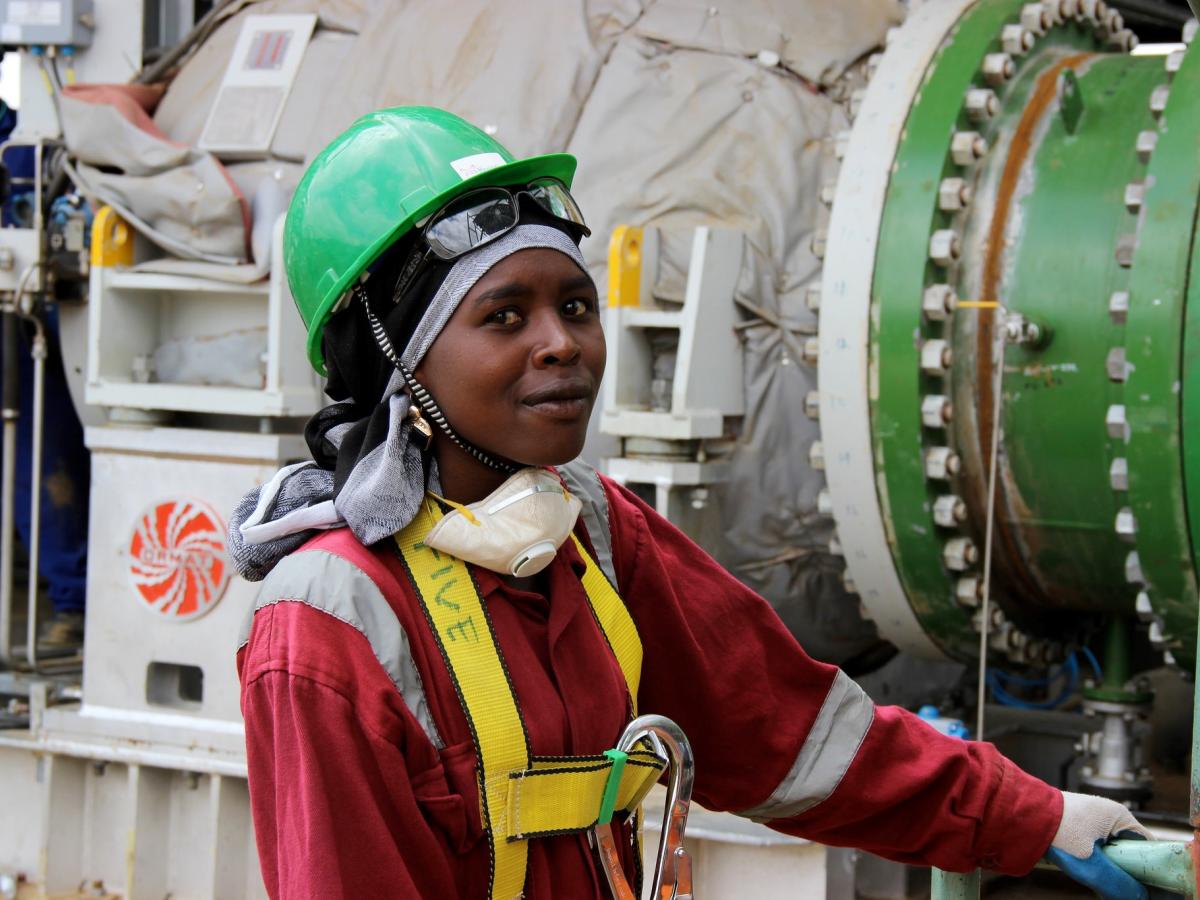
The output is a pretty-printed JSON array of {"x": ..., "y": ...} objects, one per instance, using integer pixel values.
[{"x": 480, "y": 216}]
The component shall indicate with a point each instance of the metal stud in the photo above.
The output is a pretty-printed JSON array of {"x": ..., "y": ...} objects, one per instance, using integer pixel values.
[
  {"x": 816, "y": 455},
  {"x": 1146, "y": 141},
  {"x": 828, "y": 192},
  {"x": 935, "y": 411},
  {"x": 1135, "y": 193},
  {"x": 1016, "y": 40},
  {"x": 1123, "y": 41},
  {"x": 1126, "y": 524},
  {"x": 1158, "y": 639},
  {"x": 1170, "y": 661},
  {"x": 998, "y": 68},
  {"x": 944, "y": 247},
  {"x": 825, "y": 503},
  {"x": 1118, "y": 474},
  {"x": 848, "y": 584},
  {"x": 1126, "y": 247},
  {"x": 835, "y": 546},
  {"x": 1189, "y": 31},
  {"x": 936, "y": 357},
  {"x": 1035, "y": 17},
  {"x": 1054, "y": 9},
  {"x": 981, "y": 104},
  {"x": 873, "y": 62},
  {"x": 1111, "y": 24},
  {"x": 960, "y": 554},
  {"x": 1115, "y": 365},
  {"x": 812, "y": 350},
  {"x": 1143, "y": 607},
  {"x": 1118, "y": 307},
  {"x": 968, "y": 591},
  {"x": 812, "y": 296},
  {"x": 1133, "y": 568},
  {"x": 1116, "y": 423},
  {"x": 1174, "y": 61},
  {"x": 1068, "y": 9},
  {"x": 812, "y": 405},
  {"x": 953, "y": 194},
  {"x": 1158, "y": 99},
  {"x": 819, "y": 239},
  {"x": 949, "y": 511},
  {"x": 938, "y": 301},
  {"x": 966, "y": 147},
  {"x": 941, "y": 463}
]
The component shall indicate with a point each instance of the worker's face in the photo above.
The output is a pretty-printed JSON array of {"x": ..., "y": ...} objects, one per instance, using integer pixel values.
[{"x": 517, "y": 367}]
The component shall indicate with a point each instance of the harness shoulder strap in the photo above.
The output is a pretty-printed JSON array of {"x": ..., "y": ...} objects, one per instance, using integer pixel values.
[{"x": 520, "y": 796}]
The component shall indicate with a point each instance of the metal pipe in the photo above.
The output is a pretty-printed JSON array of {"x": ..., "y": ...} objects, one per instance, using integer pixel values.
[
  {"x": 35, "y": 502},
  {"x": 9, "y": 411}
]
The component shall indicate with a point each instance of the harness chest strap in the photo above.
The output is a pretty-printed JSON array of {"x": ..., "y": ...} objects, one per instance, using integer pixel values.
[{"x": 521, "y": 796}]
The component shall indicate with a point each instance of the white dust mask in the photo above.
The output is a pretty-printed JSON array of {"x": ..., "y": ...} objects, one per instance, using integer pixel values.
[{"x": 515, "y": 530}]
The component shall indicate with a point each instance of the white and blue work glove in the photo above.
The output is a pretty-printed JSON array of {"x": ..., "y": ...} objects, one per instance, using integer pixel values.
[{"x": 1087, "y": 823}]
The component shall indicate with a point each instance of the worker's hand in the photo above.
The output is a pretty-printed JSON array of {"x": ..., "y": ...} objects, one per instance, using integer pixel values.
[{"x": 1087, "y": 823}]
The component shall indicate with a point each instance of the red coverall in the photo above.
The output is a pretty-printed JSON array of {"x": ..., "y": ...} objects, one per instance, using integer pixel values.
[{"x": 352, "y": 799}]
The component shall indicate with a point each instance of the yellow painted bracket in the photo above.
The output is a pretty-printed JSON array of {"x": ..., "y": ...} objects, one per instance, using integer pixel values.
[
  {"x": 112, "y": 239},
  {"x": 625, "y": 266}
]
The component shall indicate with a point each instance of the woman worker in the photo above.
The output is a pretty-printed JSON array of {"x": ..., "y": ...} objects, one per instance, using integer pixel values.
[{"x": 438, "y": 624}]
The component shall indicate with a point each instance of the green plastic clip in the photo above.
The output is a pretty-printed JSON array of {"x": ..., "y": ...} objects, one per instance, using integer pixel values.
[{"x": 611, "y": 787}]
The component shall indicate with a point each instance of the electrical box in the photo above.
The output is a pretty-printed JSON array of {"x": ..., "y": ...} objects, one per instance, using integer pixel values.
[
  {"x": 256, "y": 84},
  {"x": 60, "y": 23}
]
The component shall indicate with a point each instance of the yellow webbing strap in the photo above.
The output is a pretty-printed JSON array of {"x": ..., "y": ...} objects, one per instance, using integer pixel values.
[
  {"x": 556, "y": 796},
  {"x": 520, "y": 796}
]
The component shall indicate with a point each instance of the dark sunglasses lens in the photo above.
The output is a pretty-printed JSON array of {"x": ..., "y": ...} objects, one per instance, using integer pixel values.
[
  {"x": 552, "y": 196},
  {"x": 471, "y": 221}
]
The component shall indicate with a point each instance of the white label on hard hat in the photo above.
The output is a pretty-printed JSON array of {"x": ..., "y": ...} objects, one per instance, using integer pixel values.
[{"x": 473, "y": 165}]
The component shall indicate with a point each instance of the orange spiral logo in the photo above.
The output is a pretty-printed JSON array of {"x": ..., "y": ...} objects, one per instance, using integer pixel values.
[{"x": 177, "y": 559}]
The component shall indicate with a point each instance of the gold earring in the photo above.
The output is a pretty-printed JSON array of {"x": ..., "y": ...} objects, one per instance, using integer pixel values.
[{"x": 420, "y": 425}]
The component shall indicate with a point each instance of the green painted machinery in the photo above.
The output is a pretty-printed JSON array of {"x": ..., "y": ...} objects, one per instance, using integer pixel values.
[{"x": 1009, "y": 276}]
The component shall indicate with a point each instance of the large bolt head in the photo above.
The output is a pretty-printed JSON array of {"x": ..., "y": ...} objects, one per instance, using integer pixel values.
[
  {"x": 816, "y": 455},
  {"x": 1135, "y": 193},
  {"x": 1118, "y": 474},
  {"x": 966, "y": 147},
  {"x": 828, "y": 192},
  {"x": 935, "y": 357},
  {"x": 812, "y": 296},
  {"x": 1174, "y": 61},
  {"x": 1158, "y": 638},
  {"x": 1158, "y": 99},
  {"x": 812, "y": 405},
  {"x": 938, "y": 301},
  {"x": 960, "y": 554},
  {"x": 825, "y": 503},
  {"x": 1016, "y": 40},
  {"x": 1189, "y": 31},
  {"x": 998, "y": 68},
  {"x": 981, "y": 104},
  {"x": 1143, "y": 607},
  {"x": 1116, "y": 423},
  {"x": 1146, "y": 142},
  {"x": 945, "y": 246},
  {"x": 968, "y": 591},
  {"x": 812, "y": 350},
  {"x": 1126, "y": 524},
  {"x": 949, "y": 511},
  {"x": 1115, "y": 365},
  {"x": 1118, "y": 307},
  {"x": 953, "y": 194},
  {"x": 841, "y": 144},
  {"x": 819, "y": 239},
  {"x": 941, "y": 463},
  {"x": 935, "y": 411},
  {"x": 1133, "y": 568},
  {"x": 1036, "y": 18}
]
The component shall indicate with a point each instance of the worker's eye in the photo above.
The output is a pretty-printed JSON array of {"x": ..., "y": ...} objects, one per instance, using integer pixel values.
[
  {"x": 578, "y": 308},
  {"x": 507, "y": 317}
]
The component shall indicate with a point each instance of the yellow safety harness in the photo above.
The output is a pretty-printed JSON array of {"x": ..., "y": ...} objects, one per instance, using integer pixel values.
[{"x": 522, "y": 796}]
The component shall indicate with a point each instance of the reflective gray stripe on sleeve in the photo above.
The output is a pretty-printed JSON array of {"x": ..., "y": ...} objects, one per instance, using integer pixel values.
[
  {"x": 339, "y": 588},
  {"x": 831, "y": 745}
]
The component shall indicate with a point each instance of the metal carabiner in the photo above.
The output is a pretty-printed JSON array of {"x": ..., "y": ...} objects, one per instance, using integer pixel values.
[{"x": 673, "y": 869}]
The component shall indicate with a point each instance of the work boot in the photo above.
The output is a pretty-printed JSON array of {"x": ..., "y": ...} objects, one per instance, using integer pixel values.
[{"x": 63, "y": 629}]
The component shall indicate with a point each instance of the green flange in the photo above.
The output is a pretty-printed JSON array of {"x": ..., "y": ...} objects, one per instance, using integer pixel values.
[{"x": 1084, "y": 521}]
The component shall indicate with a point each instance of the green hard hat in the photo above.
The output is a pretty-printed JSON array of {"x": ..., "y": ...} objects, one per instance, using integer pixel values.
[{"x": 372, "y": 184}]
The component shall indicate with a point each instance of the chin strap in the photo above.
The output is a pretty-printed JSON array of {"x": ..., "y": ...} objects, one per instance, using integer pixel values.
[{"x": 421, "y": 396}]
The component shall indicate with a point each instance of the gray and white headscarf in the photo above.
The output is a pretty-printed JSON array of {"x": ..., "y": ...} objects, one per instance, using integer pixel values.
[{"x": 383, "y": 491}]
